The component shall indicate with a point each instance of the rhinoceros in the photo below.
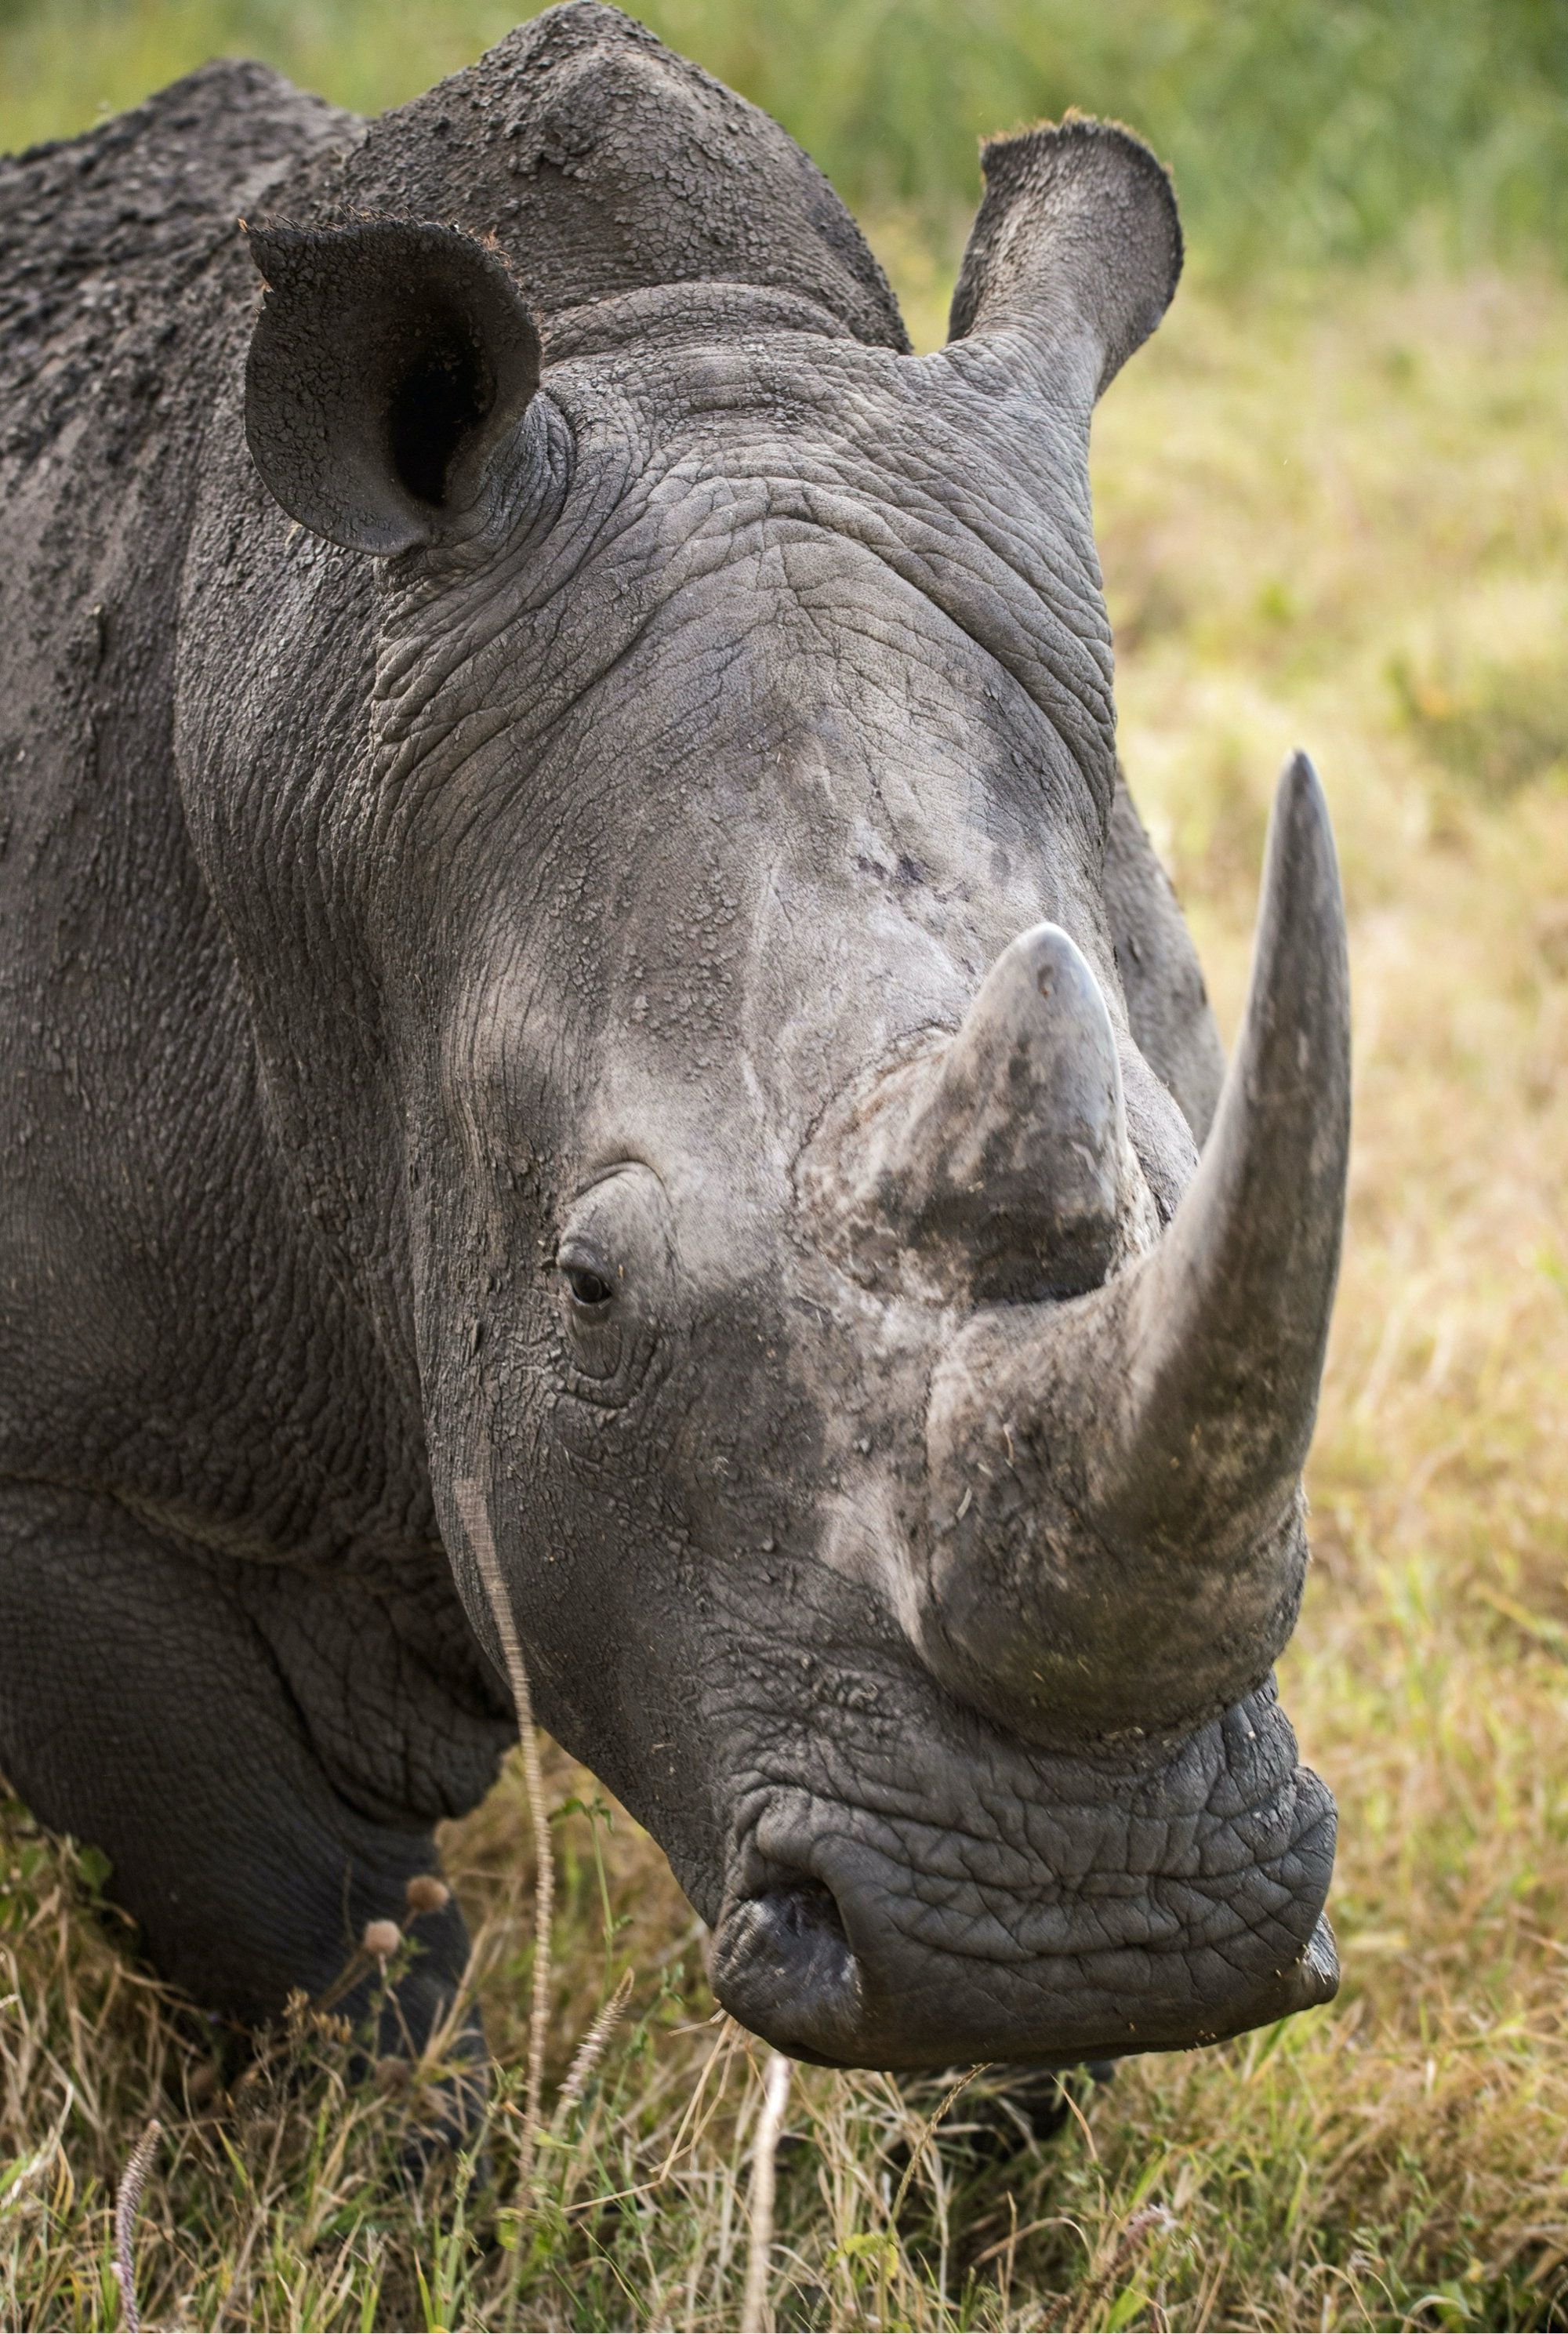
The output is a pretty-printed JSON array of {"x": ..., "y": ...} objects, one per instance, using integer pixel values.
[{"x": 585, "y": 1008}]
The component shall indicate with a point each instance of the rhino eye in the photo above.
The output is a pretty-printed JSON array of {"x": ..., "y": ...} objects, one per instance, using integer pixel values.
[{"x": 587, "y": 1288}]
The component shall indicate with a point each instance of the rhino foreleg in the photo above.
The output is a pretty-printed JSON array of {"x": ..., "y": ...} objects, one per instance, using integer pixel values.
[{"x": 143, "y": 1712}]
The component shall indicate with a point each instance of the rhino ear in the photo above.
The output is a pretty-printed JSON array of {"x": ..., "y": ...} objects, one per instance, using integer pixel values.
[
  {"x": 1076, "y": 248},
  {"x": 387, "y": 363}
]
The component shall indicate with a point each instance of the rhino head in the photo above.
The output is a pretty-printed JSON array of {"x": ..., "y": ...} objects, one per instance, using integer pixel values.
[{"x": 890, "y": 1427}]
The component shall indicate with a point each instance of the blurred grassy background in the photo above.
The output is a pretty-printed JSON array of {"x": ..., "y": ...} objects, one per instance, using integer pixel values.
[
  {"x": 1332, "y": 505},
  {"x": 1298, "y": 130}
]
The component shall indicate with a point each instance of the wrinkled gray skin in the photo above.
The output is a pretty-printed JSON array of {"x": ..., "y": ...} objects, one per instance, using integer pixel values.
[{"x": 487, "y": 904}]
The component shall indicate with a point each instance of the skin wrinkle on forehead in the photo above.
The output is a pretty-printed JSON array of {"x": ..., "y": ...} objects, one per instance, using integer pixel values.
[
  {"x": 488, "y": 800},
  {"x": 476, "y": 812},
  {"x": 865, "y": 517}
]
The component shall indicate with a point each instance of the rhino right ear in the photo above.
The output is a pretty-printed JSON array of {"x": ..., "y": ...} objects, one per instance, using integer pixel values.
[
  {"x": 386, "y": 365},
  {"x": 1076, "y": 249}
]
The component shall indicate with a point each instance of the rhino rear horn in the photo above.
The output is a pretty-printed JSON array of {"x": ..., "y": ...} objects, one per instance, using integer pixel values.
[
  {"x": 1075, "y": 251},
  {"x": 388, "y": 363},
  {"x": 1015, "y": 1153}
]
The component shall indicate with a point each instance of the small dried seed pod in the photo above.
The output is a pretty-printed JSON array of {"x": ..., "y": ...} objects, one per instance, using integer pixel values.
[
  {"x": 425, "y": 1893},
  {"x": 382, "y": 1938}
]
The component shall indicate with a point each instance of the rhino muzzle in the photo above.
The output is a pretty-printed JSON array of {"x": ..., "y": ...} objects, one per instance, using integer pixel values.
[
  {"x": 1106, "y": 1844},
  {"x": 982, "y": 1899}
]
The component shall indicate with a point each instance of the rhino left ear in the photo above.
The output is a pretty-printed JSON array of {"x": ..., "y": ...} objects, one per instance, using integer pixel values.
[
  {"x": 1076, "y": 249},
  {"x": 388, "y": 363}
]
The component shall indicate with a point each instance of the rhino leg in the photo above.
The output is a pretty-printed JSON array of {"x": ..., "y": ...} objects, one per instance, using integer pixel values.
[{"x": 141, "y": 1711}]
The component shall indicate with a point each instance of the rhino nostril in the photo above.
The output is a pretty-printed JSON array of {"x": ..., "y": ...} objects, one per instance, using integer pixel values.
[
  {"x": 782, "y": 1965},
  {"x": 807, "y": 1911}
]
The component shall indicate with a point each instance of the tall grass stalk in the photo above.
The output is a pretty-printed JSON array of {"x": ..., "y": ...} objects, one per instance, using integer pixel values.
[
  {"x": 473, "y": 1506},
  {"x": 127, "y": 2206},
  {"x": 755, "y": 2316}
]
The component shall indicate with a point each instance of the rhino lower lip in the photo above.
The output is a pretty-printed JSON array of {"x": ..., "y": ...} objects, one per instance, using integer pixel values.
[{"x": 782, "y": 1966}]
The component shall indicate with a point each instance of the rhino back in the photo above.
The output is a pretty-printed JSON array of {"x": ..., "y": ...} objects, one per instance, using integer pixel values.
[
  {"x": 169, "y": 1330},
  {"x": 103, "y": 237}
]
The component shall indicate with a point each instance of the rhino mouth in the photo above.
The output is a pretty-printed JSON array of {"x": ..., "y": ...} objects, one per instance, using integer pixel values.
[{"x": 1089, "y": 1916}]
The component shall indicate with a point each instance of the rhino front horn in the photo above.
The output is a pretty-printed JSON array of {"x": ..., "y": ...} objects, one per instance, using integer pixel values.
[
  {"x": 1116, "y": 1509},
  {"x": 1014, "y": 1158}
]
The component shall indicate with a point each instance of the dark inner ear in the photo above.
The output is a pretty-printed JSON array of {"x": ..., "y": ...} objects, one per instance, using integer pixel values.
[
  {"x": 388, "y": 361},
  {"x": 443, "y": 394}
]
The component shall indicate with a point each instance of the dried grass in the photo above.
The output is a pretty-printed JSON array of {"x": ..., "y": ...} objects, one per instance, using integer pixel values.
[{"x": 1332, "y": 519}]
